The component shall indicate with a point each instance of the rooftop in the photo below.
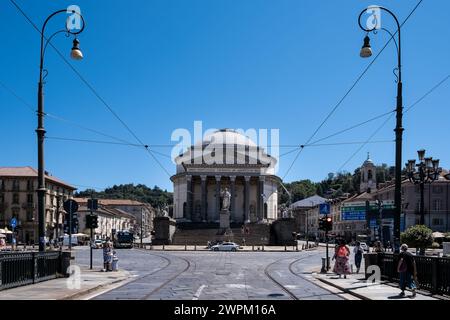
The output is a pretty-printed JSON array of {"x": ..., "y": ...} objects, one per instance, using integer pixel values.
[{"x": 30, "y": 172}]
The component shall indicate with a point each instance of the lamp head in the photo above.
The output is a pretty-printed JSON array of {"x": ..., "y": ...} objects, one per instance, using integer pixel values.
[
  {"x": 76, "y": 53},
  {"x": 366, "y": 50},
  {"x": 428, "y": 162},
  {"x": 411, "y": 165},
  {"x": 421, "y": 154},
  {"x": 436, "y": 164}
]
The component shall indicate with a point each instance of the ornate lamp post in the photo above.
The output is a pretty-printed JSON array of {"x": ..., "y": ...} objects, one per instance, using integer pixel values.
[
  {"x": 427, "y": 171},
  {"x": 379, "y": 204},
  {"x": 77, "y": 55},
  {"x": 366, "y": 52}
]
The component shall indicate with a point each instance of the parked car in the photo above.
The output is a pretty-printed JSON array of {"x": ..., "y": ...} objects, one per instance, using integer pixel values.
[
  {"x": 98, "y": 244},
  {"x": 364, "y": 246},
  {"x": 225, "y": 246}
]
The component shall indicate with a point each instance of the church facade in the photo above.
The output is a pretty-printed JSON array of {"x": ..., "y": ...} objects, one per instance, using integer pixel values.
[{"x": 225, "y": 164}]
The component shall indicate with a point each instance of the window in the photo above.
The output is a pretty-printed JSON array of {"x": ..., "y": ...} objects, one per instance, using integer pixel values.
[
  {"x": 30, "y": 185},
  {"x": 30, "y": 198},
  {"x": 15, "y": 185},
  {"x": 437, "y": 189},
  {"x": 15, "y": 212},
  {"x": 30, "y": 215},
  {"x": 2, "y": 198},
  {"x": 437, "y": 204},
  {"x": 369, "y": 175},
  {"x": 2, "y": 184},
  {"x": 438, "y": 221},
  {"x": 15, "y": 198}
]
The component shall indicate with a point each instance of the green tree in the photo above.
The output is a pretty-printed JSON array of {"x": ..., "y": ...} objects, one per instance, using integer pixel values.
[{"x": 418, "y": 236}]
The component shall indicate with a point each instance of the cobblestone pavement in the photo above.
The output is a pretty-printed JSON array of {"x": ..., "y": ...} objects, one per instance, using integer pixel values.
[{"x": 204, "y": 275}]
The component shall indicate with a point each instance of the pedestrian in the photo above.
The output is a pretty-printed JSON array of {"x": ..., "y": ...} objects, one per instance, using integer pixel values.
[
  {"x": 358, "y": 251},
  {"x": 342, "y": 265},
  {"x": 377, "y": 248},
  {"x": 408, "y": 271},
  {"x": 106, "y": 255}
]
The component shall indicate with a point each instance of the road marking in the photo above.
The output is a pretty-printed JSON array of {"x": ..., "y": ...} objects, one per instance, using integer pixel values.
[{"x": 199, "y": 292}]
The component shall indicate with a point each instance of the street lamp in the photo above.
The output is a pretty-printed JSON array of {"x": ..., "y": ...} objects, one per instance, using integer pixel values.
[
  {"x": 366, "y": 51},
  {"x": 379, "y": 204},
  {"x": 427, "y": 171},
  {"x": 40, "y": 131}
]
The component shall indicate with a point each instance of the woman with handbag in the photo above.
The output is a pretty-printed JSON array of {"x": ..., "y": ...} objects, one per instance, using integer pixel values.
[
  {"x": 408, "y": 271},
  {"x": 342, "y": 265}
]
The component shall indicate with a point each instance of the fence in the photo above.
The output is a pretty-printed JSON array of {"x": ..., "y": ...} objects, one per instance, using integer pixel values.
[
  {"x": 22, "y": 268},
  {"x": 433, "y": 273}
]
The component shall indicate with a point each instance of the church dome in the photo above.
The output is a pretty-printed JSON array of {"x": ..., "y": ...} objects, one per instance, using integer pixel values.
[{"x": 228, "y": 137}]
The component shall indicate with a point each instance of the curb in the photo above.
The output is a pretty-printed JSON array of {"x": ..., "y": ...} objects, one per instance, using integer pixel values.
[
  {"x": 91, "y": 290},
  {"x": 348, "y": 291}
]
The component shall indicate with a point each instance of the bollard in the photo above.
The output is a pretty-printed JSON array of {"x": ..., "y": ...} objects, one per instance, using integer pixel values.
[
  {"x": 163, "y": 247},
  {"x": 185, "y": 247},
  {"x": 296, "y": 248},
  {"x": 195, "y": 247},
  {"x": 253, "y": 247},
  {"x": 262, "y": 247},
  {"x": 323, "y": 270},
  {"x": 151, "y": 247},
  {"x": 285, "y": 249}
]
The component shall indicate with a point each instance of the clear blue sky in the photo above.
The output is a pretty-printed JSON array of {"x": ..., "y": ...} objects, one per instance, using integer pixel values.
[{"x": 161, "y": 65}]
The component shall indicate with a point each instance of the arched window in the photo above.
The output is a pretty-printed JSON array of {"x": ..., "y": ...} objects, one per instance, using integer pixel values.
[{"x": 369, "y": 175}]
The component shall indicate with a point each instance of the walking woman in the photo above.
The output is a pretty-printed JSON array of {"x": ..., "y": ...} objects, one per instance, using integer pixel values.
[
  {"x": 342, "y": 254},
  {"x": 358, "y": 251},
  {"x": 408, "y": 271}
]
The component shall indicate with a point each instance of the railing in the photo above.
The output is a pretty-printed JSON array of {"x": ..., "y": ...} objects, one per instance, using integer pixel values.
[
  {"x": 433, "y": 273},
  {"x": 19, "y": 269}
]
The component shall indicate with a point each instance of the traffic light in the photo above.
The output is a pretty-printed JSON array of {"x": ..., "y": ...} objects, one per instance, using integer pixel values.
[
  {"x": 328, "y": 224},
  {"x": 92, "y": 221},
  {"x": 321, "y": 223}
]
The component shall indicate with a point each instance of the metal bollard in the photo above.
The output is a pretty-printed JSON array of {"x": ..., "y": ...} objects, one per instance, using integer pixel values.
[
  {"x": 253, "y": 247},
  {"x": 185, "y": 247},
  {"x": 285, "y": 248},
  {"x": 262, "y": 247},
  {"x": 151, "y": 247},
  {"x": 163, "y": 247},
  {"x": 195, "y": 247},
  {"x": 296, "y": 247}
]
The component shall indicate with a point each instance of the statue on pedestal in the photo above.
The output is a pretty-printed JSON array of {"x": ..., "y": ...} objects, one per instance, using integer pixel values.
[{"x": 226, "y": 199}]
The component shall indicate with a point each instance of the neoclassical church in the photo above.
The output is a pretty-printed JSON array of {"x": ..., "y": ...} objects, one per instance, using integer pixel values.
[{"x": 225, "y": 162}]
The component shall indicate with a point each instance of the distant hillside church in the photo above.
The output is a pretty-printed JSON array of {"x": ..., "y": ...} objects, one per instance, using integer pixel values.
[{"x": 368, "y": 176}]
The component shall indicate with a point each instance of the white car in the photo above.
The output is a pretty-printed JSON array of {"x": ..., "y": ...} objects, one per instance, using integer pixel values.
[
  {"x": 98, "y": 244},
  {"x": 226, "y": 246},
  {"x": 364, "y": 246}
]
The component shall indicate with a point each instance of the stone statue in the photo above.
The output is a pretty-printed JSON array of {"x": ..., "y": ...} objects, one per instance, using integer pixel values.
[
  {"x": 165, "y": 211},
  {"x": 226, "y": 199}
]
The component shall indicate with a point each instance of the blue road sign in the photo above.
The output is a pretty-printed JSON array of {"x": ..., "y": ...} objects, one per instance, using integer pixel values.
[
  {"x": 324, "y": 208},
  {"x": 13, "y": 222}
]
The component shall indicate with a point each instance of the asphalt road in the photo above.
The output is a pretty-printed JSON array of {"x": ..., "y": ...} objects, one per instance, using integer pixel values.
[{"x": 204, "y": 275}]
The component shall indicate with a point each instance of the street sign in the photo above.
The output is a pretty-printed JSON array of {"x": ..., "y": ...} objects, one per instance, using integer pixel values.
[
  {"x": 324, "y": 208},
  {"x": 70, "y": 206},
  {"x": 13, "y": 222},
  {"x": 92, "y": 204}
]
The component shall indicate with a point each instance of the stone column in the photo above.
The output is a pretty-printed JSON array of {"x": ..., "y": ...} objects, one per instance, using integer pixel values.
[
  {"x": 204, "y": 197},
  {"x": 260, "y": 202},
  {"x": 247, "y": 199},
  {"x": 233, "y": 195},
  {"x": 189, "y": 198},
  {"x": 218, "y": 178}
]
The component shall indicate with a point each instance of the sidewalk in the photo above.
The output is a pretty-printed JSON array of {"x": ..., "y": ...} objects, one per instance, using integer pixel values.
[
  {"x": 356, "y": 285},
  {"x": 67, "y": 288}
]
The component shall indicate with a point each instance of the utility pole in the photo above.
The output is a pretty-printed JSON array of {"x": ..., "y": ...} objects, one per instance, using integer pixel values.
[
  {"x": 142, "y": 223},
  {"x": 92, "y": 231}
]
